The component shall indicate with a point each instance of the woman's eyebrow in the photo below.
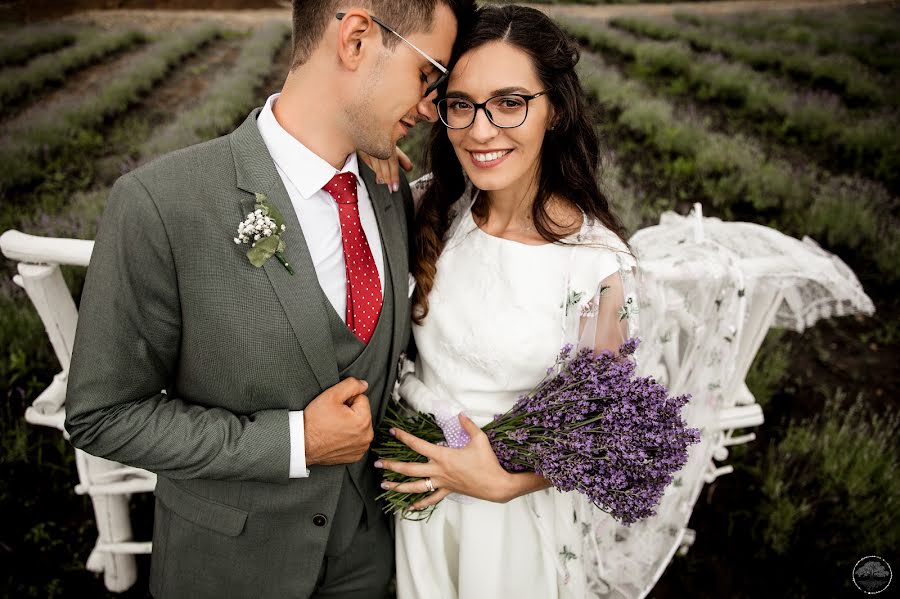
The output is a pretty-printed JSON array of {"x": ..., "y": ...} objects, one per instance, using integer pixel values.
[{"x": 516, "y": 89}]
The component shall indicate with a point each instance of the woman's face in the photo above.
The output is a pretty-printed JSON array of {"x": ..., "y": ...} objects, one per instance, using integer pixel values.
[{"x": 497, "y": 158}]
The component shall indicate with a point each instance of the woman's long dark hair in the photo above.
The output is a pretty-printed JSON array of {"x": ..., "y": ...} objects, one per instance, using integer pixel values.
[{"x": 569, "y": 157}]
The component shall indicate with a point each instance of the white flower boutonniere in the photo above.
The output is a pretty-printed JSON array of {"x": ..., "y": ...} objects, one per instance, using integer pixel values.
[{"x": 262, "y": 231}]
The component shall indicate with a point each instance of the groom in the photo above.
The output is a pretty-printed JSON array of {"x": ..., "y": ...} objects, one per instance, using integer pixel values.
[{"x": 252, "y": 388}]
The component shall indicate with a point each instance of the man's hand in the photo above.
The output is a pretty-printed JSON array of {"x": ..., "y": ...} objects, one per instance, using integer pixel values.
[{"x": 338, "y": 424}]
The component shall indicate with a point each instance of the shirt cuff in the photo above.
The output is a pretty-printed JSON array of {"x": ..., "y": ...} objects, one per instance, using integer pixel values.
[{"x": 298, "y": 467}]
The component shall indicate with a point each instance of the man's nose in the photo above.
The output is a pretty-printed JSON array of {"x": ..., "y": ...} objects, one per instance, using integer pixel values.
[{"x": 426, "y": 107}]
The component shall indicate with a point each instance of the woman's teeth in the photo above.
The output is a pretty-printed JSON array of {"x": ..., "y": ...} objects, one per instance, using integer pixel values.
[{"x": 490, "y": 156}]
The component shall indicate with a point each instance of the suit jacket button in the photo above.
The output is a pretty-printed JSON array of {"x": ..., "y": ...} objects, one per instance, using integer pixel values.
[{"x": 320, "y": 520}]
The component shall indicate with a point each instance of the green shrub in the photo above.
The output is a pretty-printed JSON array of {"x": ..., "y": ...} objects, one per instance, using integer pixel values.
[{"x": 831, "y": 485}]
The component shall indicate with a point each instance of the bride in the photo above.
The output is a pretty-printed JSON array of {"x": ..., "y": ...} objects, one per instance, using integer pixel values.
[{"x": 517, "y": 254}]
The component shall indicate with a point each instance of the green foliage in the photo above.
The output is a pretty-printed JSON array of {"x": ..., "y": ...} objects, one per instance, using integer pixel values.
[
  {"x": 46, "y": 71},
  {"x": 836, "y": 472},
  {"x": 731, "y": 171},
  {"x": 229, "y": 99},
  {"x": 866, "y": 35},
  {"x": 24, "y": 44},
  {"x": 770, "y": 366},
  {"x": 60, "y": 134},
  {"x": 761, "y": 102},
  {"x": 839, "y": 73}
]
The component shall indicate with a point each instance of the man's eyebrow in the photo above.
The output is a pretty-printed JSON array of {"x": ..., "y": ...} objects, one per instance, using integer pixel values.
[{"x": 516, "y": 89}]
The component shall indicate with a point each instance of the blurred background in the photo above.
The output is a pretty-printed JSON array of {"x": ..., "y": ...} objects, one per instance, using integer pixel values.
[{"x": 780, "y": 113}]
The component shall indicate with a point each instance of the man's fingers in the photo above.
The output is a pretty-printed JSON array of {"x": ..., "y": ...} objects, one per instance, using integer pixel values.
[
  {"x": 348, "y": 388},
  {"x": 360, "y": 405},
  {"x": 405, "y": 163}
]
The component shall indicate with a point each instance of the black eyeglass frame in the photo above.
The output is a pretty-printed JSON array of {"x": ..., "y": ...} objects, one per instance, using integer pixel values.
[
  {"x": 483, "y": 106},
  {"x": 444, "y": 71}
]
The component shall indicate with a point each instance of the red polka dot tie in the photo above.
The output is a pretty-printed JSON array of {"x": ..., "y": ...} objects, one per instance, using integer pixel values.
[{"x": 363, "y": 285}]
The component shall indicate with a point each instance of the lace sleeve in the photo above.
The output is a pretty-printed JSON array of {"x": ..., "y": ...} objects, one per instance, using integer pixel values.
[
  {"x": 601, "y": 306},
  {"x": 603, "y": 324}
]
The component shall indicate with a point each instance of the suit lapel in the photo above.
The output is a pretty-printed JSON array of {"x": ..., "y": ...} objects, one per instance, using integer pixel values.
[
  {"x": 389, "y": 214},
  {"x": 299, "y": 294}
]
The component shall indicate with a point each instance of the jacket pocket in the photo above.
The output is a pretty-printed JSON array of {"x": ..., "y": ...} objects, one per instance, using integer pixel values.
[{"x": 207, "y": 513}]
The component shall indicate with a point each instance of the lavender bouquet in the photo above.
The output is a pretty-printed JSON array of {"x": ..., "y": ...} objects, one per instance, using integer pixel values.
[{"x": 590, "y": 426}]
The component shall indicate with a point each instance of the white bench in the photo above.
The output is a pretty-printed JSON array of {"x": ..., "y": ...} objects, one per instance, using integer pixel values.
[{"x": 749, "y": 289}]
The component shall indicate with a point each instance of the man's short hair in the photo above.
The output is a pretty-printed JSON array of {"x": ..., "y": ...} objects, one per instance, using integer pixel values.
[{"x": 312, "y": 18}]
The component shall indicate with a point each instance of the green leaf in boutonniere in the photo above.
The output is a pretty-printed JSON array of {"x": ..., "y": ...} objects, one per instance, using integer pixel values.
[{"x": 262, "y": 230}]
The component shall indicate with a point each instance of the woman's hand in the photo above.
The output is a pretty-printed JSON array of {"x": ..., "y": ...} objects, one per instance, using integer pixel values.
[
  {"x": 388, "y": 171},
  {"x": 472, "y": 470}
]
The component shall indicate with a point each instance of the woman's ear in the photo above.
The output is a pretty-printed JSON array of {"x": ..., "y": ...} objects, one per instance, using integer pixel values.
[{"x": 356, "y": 31}]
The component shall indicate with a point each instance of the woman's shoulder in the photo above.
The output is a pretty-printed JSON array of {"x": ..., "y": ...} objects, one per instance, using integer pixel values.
[{"x": 600, "y": 252}]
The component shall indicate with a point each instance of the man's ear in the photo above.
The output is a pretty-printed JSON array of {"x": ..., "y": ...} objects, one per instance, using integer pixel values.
[{"x": 356, "y": 33}]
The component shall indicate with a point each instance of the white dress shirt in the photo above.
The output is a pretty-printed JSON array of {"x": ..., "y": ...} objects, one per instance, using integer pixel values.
[{"x": 304, "y": 174}]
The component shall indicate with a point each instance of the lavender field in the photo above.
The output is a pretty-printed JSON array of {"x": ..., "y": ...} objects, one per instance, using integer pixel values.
[{"x": 783, "y": 118}]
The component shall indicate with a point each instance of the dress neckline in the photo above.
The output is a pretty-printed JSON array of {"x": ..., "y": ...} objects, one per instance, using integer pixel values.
[{"x": 571, "y": 236}]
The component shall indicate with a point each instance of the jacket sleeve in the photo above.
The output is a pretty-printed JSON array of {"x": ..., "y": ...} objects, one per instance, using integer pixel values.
[{"x": 126, "y": 354}]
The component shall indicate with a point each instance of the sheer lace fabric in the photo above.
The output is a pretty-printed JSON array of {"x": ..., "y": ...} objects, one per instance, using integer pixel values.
[{"x": 704, "y": 295}]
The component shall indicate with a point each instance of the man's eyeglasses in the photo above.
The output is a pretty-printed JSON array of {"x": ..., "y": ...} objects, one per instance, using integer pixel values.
[
  {"x": 444, "y": 73},
  {"x": 505, "y": 111}
]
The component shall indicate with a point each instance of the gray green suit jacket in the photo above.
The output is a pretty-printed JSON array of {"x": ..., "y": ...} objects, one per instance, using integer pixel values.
[{"x": 187, "y": 359}]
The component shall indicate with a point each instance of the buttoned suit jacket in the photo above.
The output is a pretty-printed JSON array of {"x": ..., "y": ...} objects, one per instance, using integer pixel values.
[{"x": 187, "y": 359}]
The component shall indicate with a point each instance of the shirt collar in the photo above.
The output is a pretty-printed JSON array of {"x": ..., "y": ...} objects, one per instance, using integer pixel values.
[{"x": 307, "y": 171}]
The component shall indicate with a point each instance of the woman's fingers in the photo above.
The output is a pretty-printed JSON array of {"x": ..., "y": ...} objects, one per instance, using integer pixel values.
[
  {"x": 416, "y": 469},
  {"x": 433, "y": 499},
  {"x": 405, "y": 163},
  {"x": 421, "y": 447},
  {"x": 394, "y": 175},
  {"x": 413, "y": 486}
]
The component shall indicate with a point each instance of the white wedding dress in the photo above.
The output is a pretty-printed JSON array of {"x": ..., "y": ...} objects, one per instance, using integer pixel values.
[{"x": 499, "y": 313}]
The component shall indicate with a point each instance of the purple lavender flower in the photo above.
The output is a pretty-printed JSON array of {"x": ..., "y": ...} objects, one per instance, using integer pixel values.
[
  {"x": 596, "y": 428},
  {"x": 590, "y": 426}
]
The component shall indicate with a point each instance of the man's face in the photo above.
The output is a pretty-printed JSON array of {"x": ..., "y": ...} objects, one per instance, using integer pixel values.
[{"x": 390, "y": 101}]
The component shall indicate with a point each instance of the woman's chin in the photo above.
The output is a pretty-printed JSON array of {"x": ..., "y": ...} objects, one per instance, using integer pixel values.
[{"x": 487, "y": 181}]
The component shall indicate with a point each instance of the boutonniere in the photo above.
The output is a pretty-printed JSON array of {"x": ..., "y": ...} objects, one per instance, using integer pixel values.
[{"x": 262, "y": 230}]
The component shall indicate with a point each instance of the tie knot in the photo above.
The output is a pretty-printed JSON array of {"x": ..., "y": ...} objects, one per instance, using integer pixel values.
[{"x": 342, "y": 188}]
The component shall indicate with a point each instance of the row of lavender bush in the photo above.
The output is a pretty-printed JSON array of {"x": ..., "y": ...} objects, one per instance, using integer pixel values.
[
  {"x": 28, "y": 148},
  {"x": 729, "y": 171},
  {"x": 22, "y": 84},
  {"x": 764, "y": 104}
]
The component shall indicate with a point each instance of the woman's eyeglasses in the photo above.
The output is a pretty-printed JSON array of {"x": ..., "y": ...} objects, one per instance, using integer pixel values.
[{"x": 505, "y": 111}]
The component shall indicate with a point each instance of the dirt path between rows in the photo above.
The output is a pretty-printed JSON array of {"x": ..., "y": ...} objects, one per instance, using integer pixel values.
[{"x": 240, "y": 19}]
